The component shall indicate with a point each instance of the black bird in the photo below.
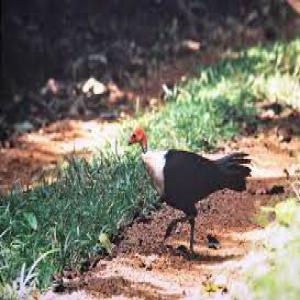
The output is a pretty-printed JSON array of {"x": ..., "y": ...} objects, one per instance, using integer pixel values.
[{"x": 183, "y": 178}]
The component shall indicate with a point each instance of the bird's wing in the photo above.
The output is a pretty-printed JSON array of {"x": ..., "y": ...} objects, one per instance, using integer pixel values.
[{"x": 190, "y": 177}]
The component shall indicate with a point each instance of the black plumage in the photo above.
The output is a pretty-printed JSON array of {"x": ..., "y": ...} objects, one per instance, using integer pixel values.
[{"x": 188, "y": 178}]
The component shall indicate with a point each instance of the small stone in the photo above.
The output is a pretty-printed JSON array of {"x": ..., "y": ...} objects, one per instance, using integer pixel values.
[
  {"x": 149, "y": 260},
  {"x": 94, "y": 86},
  {"x": 146, "y": 261},
  {"x": 191, "y": 45}
]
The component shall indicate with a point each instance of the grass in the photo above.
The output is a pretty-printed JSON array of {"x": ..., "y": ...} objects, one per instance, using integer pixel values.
[
  {"x": 282, "y": 85},
  {"x": 64, "y": 219},
  {"x": 68, "y": 216},
  {"x": 213, "y": 105}
]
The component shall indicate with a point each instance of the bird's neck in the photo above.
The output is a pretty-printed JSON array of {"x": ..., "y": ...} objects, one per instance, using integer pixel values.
[{"x": 144, "y": 145}]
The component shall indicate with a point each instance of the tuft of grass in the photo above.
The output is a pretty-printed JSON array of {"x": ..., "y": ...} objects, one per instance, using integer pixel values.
[
  {"x": 283, "y": 83},
  {"x": 213, "y": 105},
  {"x": 100, "y": 197},
  {"x": 68, "y": 216}
]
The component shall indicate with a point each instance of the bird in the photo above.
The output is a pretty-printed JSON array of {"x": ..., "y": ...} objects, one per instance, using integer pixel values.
[{"x": 183, "y": 178}]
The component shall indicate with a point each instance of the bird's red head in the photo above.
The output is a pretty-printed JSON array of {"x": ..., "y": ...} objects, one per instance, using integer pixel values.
[{"x": 139, "y": 136}]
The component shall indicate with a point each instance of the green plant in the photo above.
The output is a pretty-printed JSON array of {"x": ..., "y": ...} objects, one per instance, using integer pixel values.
[
  {"x": 23, "y": 286},
  {"x": 69, "y": 215}
]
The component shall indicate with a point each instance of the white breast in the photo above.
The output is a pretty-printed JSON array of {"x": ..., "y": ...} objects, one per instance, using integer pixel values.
[{"x": 154, "y": 162}]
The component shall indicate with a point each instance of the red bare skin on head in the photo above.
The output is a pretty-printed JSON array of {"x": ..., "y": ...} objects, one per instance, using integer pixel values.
[{"x": 138, "y": 136}]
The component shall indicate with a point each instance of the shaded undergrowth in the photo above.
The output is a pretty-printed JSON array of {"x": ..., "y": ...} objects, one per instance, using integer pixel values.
[{"x": 64, "y": 219}]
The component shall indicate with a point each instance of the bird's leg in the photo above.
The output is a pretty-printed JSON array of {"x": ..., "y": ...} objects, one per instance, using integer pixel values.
[
  {"x": 173, "y": 224},
  {"x": 192, "y": 223}
]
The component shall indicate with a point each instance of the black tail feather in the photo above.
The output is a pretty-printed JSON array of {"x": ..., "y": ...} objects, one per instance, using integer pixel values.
[{"x": 234, "y": 170}]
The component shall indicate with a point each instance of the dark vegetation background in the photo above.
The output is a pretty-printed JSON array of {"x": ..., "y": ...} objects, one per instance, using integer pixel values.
[{"x": 121, "y": 43}]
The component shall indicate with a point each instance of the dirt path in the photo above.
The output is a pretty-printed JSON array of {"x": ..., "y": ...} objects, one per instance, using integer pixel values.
[{"x": 38, "y": 153}]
